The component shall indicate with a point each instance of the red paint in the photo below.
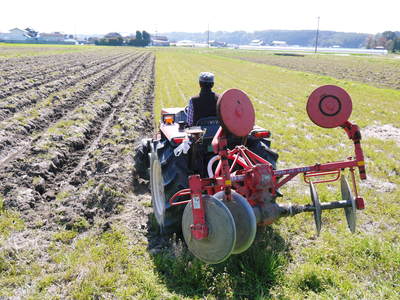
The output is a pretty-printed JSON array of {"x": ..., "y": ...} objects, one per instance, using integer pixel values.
[
  {"x": 329, "y": 106},
  {"x": 236, "y": 112}
]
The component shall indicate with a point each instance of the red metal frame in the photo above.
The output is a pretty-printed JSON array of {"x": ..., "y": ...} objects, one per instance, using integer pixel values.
[{"x": 255, "y": 175}]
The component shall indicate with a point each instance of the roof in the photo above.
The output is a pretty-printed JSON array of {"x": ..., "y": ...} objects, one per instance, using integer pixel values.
[
  {"x": 54, "y": 34},
  {"x": 17, "y": 29},
  {"x": 113, "y": 35}
]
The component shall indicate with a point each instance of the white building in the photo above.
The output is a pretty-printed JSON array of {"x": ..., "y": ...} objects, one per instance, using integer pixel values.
[
  {"x": 279, "y": 43},
  {"x": 185, "y": 43},
  {"x": 15, "y": 34},
  {"x": 256, "y": 43}
]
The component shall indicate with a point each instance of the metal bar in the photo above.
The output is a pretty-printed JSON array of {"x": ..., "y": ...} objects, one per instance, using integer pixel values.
[
  {"x": 336, "y": 204},
  {"x": 332, "y": 166},
  {"x": 327, "y": 205},
  {"x": 256, "y": 158},
  {"x": 317, "y": 174},
  {"x": 284, "y": 180},
  {"x": 246, "y": 158},
  {"x": 234, "y": 163},
  {"x": 353, "y": 179},
  {"x": 179, "y": 194}
]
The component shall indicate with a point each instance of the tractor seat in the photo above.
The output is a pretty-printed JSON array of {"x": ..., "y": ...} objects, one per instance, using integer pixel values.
[{"x": 210, "y": 124}]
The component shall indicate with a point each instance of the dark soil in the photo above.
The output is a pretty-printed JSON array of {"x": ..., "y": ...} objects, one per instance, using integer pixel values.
[{"x": 67, "y": 140}]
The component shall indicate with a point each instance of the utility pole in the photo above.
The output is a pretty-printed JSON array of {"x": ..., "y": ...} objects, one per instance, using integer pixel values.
[
  {"x": 208, "y": 35},
  {"x": 316, "y": 38}
]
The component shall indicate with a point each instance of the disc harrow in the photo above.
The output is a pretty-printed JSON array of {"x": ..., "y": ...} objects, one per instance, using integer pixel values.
[{"x": 223, "y": 210}]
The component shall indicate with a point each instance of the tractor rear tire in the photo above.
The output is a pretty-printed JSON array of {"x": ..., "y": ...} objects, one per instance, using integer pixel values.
[
  {"x": 261, "y": 148},
  {"x": 173, "y": 178}
]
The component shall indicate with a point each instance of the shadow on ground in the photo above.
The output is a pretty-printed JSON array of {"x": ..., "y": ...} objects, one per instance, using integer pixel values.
[{"x": 249, "y": 275}]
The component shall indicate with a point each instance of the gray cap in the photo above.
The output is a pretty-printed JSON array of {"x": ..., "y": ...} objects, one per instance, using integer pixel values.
[{"x": 206, "y": 77}]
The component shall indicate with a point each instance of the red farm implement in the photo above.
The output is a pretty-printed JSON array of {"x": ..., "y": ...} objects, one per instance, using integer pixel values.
[{"x": 238, "y": 191}]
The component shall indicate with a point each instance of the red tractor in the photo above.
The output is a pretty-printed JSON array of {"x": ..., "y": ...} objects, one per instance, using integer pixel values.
[{"x": 218, "y": 181}]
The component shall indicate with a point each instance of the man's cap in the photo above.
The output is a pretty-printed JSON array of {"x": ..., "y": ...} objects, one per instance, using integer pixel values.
[{"x": 206, "y": 77}]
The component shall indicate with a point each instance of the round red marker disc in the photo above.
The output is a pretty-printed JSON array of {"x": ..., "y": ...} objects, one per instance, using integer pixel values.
[
  {"x": 236, "y": 112},
  {"x": 329, "y": 106}
]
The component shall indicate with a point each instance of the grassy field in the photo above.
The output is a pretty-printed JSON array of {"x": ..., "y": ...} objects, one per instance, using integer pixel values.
[
  {"x": 379, "y": 71},
  {"x": 336, "y": 264},
  {"x": 110, "y": 257}
]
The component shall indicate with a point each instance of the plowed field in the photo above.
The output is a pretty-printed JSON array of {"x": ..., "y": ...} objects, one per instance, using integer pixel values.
[{"x": 68, "y": 124}]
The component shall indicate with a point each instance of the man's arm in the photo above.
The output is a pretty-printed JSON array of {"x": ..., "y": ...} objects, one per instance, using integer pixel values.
[{"x": 190, "y": 113}]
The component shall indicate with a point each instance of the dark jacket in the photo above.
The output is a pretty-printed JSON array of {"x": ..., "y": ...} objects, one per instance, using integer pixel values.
[{"x": 204, "y": 105}]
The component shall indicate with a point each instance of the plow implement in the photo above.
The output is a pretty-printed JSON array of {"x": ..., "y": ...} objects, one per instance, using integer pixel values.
[{"x": 224, "y": 208}]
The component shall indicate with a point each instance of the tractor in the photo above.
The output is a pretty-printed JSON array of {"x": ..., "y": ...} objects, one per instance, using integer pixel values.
[{"x": 218, "y": 181}]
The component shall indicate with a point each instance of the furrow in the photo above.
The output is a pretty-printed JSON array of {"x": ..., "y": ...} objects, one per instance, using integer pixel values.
[
  {"x": 10, "y": 100},
  {"x": 28, "y": 66},
  {"x": 17, "y": 133},
  {"x": 49, "y": 156}
]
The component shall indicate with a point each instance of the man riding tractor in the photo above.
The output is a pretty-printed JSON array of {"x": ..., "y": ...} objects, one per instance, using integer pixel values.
[
  {"x": 204, "y": 105},
  {"x": 182, "y": 147}
]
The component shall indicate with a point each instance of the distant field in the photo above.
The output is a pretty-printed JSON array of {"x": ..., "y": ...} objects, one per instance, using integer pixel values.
[
  {"x": 22, "y": 50},
  {"x": 379, "y": 71},
  {"x": 75, "y": 221}
]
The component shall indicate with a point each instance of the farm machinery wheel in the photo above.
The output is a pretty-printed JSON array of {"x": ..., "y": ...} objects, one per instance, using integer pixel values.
[
  {"x": 157, "y": 189},
  {"x": 165, "y": 181},
  {"x": 245, "y": 220},
  {"x": 221, "y": 239},
  {"x": 349, "y": 211},
  {"x": 317, "y": 208}
]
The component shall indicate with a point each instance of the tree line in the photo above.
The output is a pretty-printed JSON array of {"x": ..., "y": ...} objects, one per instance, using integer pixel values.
[
  {"x": 389, "y": 40},
  {"x": 141, "y": 39},
  {"x": 304, "y": 38},
  {"x": 294, "y": 37}
]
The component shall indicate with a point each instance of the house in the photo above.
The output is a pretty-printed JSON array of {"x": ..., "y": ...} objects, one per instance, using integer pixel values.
[
  {"x": 159, "y": 40},
  {"x": 217, "y": 44},
  {"x": 54, "y": 37},
  {"x": 256, "y": 43},
  {"x": 279, "y": 43},
  {"x": 185, "y": 43},
  {"x": 15, "y": 35}
]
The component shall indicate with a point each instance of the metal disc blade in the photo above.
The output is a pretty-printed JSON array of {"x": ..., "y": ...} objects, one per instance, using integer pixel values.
[
  {"x": 245, "y": 220},
  {"x": 236, "y": 112},
  {"x": 219, "y": 244},
  {"x": 157, "y": 189},
  {"x": 329, "y": 106},
  {"x": 317, "y": 205},
  {"x": 350, "y": 211}
]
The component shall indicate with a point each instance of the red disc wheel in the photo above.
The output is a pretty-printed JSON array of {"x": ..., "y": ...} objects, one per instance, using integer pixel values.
[
  {"x": 329, "y": 106},
  {"x": 236, "y": 112}
]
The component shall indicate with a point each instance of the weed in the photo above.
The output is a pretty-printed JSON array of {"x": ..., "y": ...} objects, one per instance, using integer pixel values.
[
  {"x": 80, "y": 225},
  {"x": 65, "y": 236},
  {"x": 9, "y": 221}
]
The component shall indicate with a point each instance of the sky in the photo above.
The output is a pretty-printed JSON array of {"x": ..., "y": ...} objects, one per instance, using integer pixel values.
[{"x": 127, "y": 16}]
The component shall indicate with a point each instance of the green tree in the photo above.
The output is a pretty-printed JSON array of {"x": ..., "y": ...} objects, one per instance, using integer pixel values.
[
  {"x": 138, "y": 36},
  {"x": 396, "y": 46},
  {"x": 146, "y": 38},
  {"x": 389, "y": 35}
]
